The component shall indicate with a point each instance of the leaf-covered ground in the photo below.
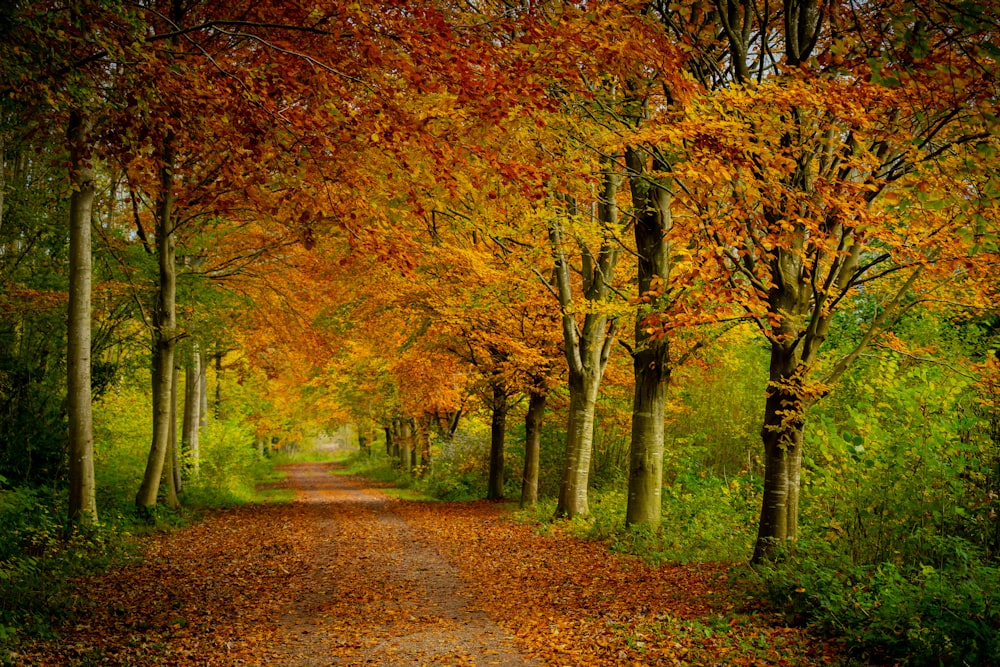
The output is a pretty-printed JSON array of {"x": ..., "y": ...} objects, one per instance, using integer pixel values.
[{"x": 346, "y": 575}]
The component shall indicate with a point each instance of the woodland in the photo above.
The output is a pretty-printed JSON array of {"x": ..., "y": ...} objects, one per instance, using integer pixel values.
[{"x": 704, "y": 281}]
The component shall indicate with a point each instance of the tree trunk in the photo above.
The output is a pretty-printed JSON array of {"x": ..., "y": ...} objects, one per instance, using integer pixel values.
[
  {"x": 192, "y": 411},
  {"x": 532, "y": 448},
  {"x": 650, "y": 358},
  {"x": 405, "y": 444},
  {"x": 784, "y": 422},
  {"x": 414, "y": 447},
  {"x": 388, "y": 441},
  {"x": 175, "y": 452},
  {"x": 498, "y": 427},
  {"x": 164, "y": 332},
  {"x": 82, "y": 489},
  {"x": 424, "y": 444},
  {"x": 587, "y": 347},
  {"x": 218, "y": 385},
  {"x": 645, "y": 474},
  {"x": 169, "y": 484},
  {"x": 579, "y": 444},
  {"x": 447, "y": 423},
  {"x": 202, "y": 391}
]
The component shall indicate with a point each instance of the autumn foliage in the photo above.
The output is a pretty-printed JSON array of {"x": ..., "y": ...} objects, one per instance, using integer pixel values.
[{"x": 565, "y": 248}]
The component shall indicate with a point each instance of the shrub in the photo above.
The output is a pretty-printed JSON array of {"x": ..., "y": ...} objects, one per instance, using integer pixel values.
[
  {"x": 39, "y": 555},
  {"x": 228, "y": 468},
  {"x": 704, "y": 518},
  {"x": 916, "y": 615}
]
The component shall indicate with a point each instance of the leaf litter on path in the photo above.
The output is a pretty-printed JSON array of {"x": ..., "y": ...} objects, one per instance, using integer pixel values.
[{"x": 345, "y": 575}]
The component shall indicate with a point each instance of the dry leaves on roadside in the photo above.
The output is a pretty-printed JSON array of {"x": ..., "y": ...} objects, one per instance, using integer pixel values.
[{"x": 349, "y": 576}]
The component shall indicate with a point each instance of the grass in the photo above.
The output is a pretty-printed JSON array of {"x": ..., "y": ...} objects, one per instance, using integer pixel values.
[
  {"x": 407, "y": 494},
  {"x": 309, "y": 455},
  {"x": 269, "y": 490},
  {"x": 274, "y": 496}
]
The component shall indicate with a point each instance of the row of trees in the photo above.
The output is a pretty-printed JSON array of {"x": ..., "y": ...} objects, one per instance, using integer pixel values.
[{"x": 398, "y": 212}]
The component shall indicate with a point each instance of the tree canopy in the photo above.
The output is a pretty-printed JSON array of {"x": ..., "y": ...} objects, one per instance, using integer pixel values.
[{"x": 397, "y": 214}]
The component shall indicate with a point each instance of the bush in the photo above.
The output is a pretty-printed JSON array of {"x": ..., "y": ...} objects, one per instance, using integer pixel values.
[
  {"x": 898, "y": 516},
  {"x": 228, "y": 468},
  {"x": 38, "y": 556},
  {"x": 704, "y": 518},
  {"x": 913, "y": 615},
  {"x": 122, "y": 435}
]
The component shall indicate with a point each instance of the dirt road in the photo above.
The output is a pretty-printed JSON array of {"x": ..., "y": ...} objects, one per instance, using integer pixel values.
[
  {"x": 346, "y": 575},
  {"x": 407, "y": 605}
]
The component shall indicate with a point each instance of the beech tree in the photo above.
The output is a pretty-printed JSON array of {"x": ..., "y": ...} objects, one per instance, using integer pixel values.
[
  {"x": 839, "y": 150},
  {"x": 226, "y": 77},
  {"x": 587, "y": 345},
  {"x": 82, "y": 491},
  {"x": 50, "y": 70},
  {"x": 194, "y": 384}
]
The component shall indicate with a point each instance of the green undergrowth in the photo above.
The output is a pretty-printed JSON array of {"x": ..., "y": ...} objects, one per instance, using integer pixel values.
[
  {"x": 41, "y": 554},
  {"x": 704, "y": 518},
  {"x": 407, "y": 494},
  {"x": 269, "y": 490},
  {"x": 396, "y": 483},
  {"x": 739, "y": 634},
  {"x": 309, "y": 455},
  {"x": 903, "y": 614}
]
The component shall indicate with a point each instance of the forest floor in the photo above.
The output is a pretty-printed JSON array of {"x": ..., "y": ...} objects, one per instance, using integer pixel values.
[{"x": 348, "y": 575}]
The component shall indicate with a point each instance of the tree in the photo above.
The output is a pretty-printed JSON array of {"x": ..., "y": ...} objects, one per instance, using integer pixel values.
[
  {"x": 587, "y": 347},
  {"x": 532, "y": 446},
  {"x": 194, "y": 381},
  {"x": 82, "y": 488},
  {"x": 651, "y": 355},
  {"x": 848, "y": 141},
  {"x": 164, "y": 325},
  {"x": 51, "y": 77},
  {"x": 499, "y": 407}
]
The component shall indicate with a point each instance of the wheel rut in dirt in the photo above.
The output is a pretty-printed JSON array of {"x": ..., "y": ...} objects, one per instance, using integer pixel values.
[{"x": 377, "y": 591}]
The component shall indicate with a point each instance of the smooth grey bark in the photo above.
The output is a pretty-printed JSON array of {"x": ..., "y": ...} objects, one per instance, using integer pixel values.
[
  {"x": 190, "y": 432},
  {"x": 164, "y": 330},
  {"x": 82, "y": 490},
  {"x": 784, "y": 423},
  {"x": 532, "y": 447},
  {"x": 175, "y": 450},
  {"x": 203, "y": 390},
  {"x": 498, "y": 434},
  {"x": 786, "y": 401},
  {"x": 573, "y": 487},
  {"x": 405, "y": 444},
  {"x": 803, "y": 326},
  {"x": 651, "y": 356},
  {"x": 424, "y": 443},
  {"x": 587, "y": 348}
]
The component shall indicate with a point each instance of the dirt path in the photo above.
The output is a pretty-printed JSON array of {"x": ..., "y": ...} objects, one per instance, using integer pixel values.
[
  {"x": 346, "y": 575},
  {"x": 408, "y": 604}
]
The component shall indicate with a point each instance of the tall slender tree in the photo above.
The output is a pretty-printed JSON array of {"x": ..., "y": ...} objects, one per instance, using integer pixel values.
[
  {"x": 587, "y": 346},
  {"x": 82, "y": 490}
]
